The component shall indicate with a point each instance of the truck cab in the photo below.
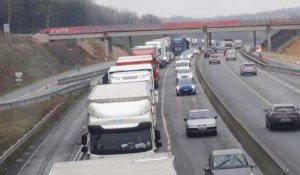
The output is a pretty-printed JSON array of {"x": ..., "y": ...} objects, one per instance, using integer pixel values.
[{"x": 121, "y": 120}]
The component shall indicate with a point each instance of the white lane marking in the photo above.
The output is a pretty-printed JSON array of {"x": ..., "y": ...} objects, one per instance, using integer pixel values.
[
  {"x": 162, "y": 113},
  {"x": 277, "y": 80},
  {"x": 245, "y": 84}
]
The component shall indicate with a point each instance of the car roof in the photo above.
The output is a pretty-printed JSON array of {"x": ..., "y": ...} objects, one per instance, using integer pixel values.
[
  {"x": 199, "y": 110},
  {"x": 227, "y": 151},
  {"x": 182, "y": 60},
  {"x": 282, "y": 105},
  {"x": 248, "y": 63}
]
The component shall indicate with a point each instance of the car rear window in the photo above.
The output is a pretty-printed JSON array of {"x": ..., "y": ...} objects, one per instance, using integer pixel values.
[
  {"x": 184, "y": 71},
  {"x": 248, "y": 65},
  {"x": 285, "y": 109},
  {"x": 214, "y": 56},
  {"x": 200, "y": 115},
  {"x": 182, "y": 64}
]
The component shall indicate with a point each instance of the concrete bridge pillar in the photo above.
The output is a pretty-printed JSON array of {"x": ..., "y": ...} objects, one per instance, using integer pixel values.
[
  {"x": 107, "y": 44},
  {"x": 205, "y": 37},
  {"x": 254, "y": 39},
  {"x": 209, "y": 39},
  {"x": 269, "y": 41},
  {"x": 130, "y": 43}
]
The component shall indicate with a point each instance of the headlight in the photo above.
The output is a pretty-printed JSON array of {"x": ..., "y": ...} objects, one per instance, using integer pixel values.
[
  {"x": 177, "y": 87},
  {"x": 165, "y": 58},
  {"x": 192, "y": 126},
  {"x": 251, "y": 173},
  {"x": 190, "y": 76},
  {"x": 193, "y": 86}
]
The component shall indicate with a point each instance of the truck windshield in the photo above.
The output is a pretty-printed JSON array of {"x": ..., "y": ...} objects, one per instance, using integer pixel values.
[{"x": 121, "y": 141}]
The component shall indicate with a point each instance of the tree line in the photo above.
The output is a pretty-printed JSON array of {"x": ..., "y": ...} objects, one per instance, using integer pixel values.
[{"x": 37, "y": 14}]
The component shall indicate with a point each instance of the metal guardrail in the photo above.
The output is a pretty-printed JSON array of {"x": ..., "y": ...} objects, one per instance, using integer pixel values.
[
  {"x": 273, "y": 68},
  {"x": 28, "y": 135},
  {"x": 265, "y": 160},
  {"x": 81, "y": 77},
  {"x": 77, "y": 86}
]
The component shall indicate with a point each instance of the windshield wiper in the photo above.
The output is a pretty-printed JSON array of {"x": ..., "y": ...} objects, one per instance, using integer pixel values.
[
  {"x": 223, "y": 163},
  {"x": 239, "y": 160}
]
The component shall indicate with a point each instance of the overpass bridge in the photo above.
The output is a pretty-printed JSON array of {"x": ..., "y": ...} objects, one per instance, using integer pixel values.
[{"x": 106, "y": 32}]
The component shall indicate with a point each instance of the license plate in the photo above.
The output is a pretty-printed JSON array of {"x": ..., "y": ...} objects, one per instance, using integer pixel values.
[
  {"x": 185, "y": 89},
  {"x": 285, "y": 120},
  {"x": 201, "y": 128}
]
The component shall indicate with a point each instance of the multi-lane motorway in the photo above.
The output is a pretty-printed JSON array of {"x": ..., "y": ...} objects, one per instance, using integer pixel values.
[{"x": 246, "y": 97}]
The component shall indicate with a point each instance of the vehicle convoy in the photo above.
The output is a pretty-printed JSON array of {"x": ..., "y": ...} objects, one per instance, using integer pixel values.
[
  {"x": 121, "y": 120},
  {"x": 159, "y": 163},
  {"x": 228, "y": 161},
  {"x": 158, "y": 45},
  {"x": 248, "y": 68},
  {"x": 144, "y": 51},
  {"x": 186, "y": 86},
  {"x": 282, "y": 115},
  {"x": 166, "y": 51},
  {"x": 200, "y": 121},
  {"x": 179, "y": 45}
]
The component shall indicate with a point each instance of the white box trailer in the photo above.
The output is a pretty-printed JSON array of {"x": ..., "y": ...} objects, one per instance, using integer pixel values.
[
  {"x": 156, "y": 164},
  {"x": 131, "y": 73},
  {"x": 121, "y": 120}
]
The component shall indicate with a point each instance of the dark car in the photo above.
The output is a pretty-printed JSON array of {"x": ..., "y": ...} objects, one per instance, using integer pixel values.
[
  {"x": 185, "y": 86},
  {"x": 282, "y": 115},
  {"x": 208, "y": 52},
  {"x": 228, "y": 162}
]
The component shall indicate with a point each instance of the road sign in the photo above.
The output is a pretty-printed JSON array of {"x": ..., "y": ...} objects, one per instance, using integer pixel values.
[
  {"x": 258, "y": 48},
  {"x": 18, "y": 74}
]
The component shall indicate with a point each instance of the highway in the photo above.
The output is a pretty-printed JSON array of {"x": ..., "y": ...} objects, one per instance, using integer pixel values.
[
  {"x": 62, "y": 141},
  {"x": 248, "y": 96}
]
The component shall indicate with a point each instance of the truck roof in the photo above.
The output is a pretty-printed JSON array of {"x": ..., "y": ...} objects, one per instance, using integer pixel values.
[
  {"x": 119, "y": 92},
  {"x": 159, "y": 163},
  {"x": 126, "y": 68},
  {"x": 134, "y": 58}
]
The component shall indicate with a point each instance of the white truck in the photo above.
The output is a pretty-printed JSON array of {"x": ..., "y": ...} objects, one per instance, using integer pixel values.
[
  {"x": 131, "y": 73},
  {"x": 160, "y": 50},
  {"x": 121, "y": 120},
  {"x": 156, "y": 164}
]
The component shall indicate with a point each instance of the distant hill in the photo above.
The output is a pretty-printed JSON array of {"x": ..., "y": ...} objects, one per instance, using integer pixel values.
[{"x": 282, "y": 13}]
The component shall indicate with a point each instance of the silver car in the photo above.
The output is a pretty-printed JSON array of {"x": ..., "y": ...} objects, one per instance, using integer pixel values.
[
  {"x": 230, "y": 56},
  {"x": 248, "y": 69},
  {"x": 184, "y": 73},
  {"x": 214, "y": 58},
  {"x": 228, "y": 162}
]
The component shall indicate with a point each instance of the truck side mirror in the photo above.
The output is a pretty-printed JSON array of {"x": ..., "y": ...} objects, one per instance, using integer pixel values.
[
  {"x": 105, "y": 78},
  {"x": 156, "y": 96},
  {"x": 158, "y": 144},
  {"x": 83, "y": 139},
  {"x": 206, "y": 169},
  {"x": 84, "y": 149},
  {"x": 157, "y": 135}
]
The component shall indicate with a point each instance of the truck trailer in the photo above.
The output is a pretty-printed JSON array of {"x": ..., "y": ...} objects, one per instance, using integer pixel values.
[
  {"x": 156, "y": 164},
  {"x": 148, "y": 50},
  {"x": 121, "y": 120}
]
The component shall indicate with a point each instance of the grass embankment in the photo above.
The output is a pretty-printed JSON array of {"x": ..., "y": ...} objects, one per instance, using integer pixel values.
[
  {"x": 37, "y": 61},
  {"x": 290, "y": 54},
  {"x": 15, "y": 123}
]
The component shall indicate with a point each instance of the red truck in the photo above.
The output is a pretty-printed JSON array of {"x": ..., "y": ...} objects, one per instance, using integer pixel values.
[{"x": 148, "y": 50}]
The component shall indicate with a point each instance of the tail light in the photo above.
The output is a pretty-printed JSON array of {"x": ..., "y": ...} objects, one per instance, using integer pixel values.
[
  {"x": 276, "y": 115},
  {"x": 294, "y": 115}
]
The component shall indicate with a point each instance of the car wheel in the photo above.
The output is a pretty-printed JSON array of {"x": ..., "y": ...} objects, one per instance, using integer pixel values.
[
  {"x": 219, "y": 62},
  {"x": 271, "y": 127},
  {"x": 226, "y": 59},
  {"x": 255, "y": 74},
  {"x": 188, "y": 133},
  {"x": 241, "y": 74},
  {"x": 195, "y": 92},
  {"x": 209, "y": 62},
  {"x": 234, "y": 59},
  {"x": 177, "y": 94},
  {"x": 215, "y": 132}
]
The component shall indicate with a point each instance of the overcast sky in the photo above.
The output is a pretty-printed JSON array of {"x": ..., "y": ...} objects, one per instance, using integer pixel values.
[{"x": 198, "y": 8}]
